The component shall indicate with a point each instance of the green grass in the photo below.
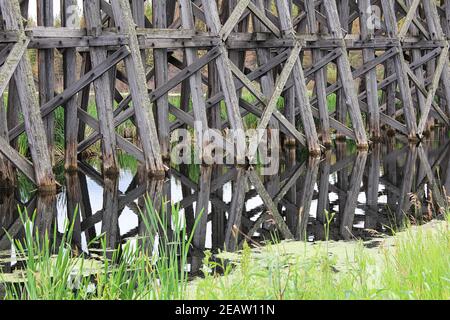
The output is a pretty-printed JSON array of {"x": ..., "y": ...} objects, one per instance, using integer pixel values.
[
  {"x": 415, "y": 264},
  {"x": 133, "y": 271}
]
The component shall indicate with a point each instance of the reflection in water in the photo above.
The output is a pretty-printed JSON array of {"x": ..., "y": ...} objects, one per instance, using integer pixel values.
[{"x": 366, "y": 193}]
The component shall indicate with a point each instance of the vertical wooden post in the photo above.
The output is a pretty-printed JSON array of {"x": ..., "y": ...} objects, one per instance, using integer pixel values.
[
  {"x": 69, "y": 68},
  {"x": 195, "y": 80},
  {"x": 345, "y": 74},
  {"x": 341, "y": 105},
  {"x": 75, "y": 207},
  {"x": 351, "y": 201},
  {"x": 320, "y": 79},
  {"x": 110, "y": 219},
  {"x": 323, "y": 202},
  {"x": 223, "y": 68},
  {"x": 236, "y": 209},
  {"x": 102, "y": 87},
  {"x": 371, "y": 77},
  {"x": 161, "y": 77},
  {"x": 139, "y": 90},
  {"x": 13, "y": 98},
  {"x": 437, "y": 34},
  {"x": 400, "y": 68},
  {"x": 46, "y": 74},
  {"x": 301, "y": 90},
  {"x": 267, "y": 81},
  {"x": 202, "y": 207},
  {"x": 29, "y": 102},
  {"x": 373, "y": 182},
  {"x": 7, "y": 176},
  {"x": 306, "y": 198}
]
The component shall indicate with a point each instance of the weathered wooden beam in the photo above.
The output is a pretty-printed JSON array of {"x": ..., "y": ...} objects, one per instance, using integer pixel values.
[
  {"x": 138, "y": 87},
  {"x": 345, "y": 74},
  {"x": 82, "y": 83},
  {"x": 70, "y": 109},
  {"x": 103, "y": 95},
  {"x": 46, "y": 73},
  {"x": 298, "y": 76},
  {"x": 28, "y": 99}
]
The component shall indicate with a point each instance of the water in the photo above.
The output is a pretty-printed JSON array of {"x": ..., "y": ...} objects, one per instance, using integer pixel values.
[{"x": 364, "y": 194}]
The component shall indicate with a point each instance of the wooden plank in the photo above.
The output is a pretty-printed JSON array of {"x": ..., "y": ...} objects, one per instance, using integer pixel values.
[
  {"x": 103, "y": 94},
  {"x": 11, "y": 62},
  {"x": 195, "y": 82},
  {"x": 351, "y": 201},
  {"x": 70, "y": 109},
  {"x": 46, "y": 73},
  {"x": 371, "y": 76},
  {"x": 82, "y": 83},
  {"x": 161, "y": 77},
  {"x": 223, "y": 69},
  {"x": 306, "y": 198},
  {"x": 233, "y": 19},
  {"x": 298, "y": 76},
  {"x": 138, "y": 87},
  {"x": 28, "y": 99},
  {"x": 345, "y": 74},
  {"x": 233, "y": 228},
  {"x": 271, "y": 207},
  {"x": 7, "y": 176},
  {"x": 402, "y": 76},
  {"x": 320, "y": 79}
]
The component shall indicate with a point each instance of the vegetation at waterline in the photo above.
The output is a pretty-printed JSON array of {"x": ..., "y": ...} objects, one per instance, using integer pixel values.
[
  {"x": 415, "y": 264},
  {"x": 128, "y": 130}
]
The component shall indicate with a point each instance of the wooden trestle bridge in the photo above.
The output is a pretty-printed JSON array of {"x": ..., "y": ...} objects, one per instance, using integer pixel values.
[{"x": 385, "y": 61}]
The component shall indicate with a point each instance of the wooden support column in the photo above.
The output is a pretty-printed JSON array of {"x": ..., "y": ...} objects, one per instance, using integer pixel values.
[
  {"x": 7, "y": 176},
  {"x": 416, "y": 55},
  {"x": 236, "y": 210},
  {"x": 400, "y": 69},
  {"x": 404, "y": 201},
  {"x": 70, "y": 77},
  {"x": 442, "y": 74},
  {"x": 75, "y": 206},
  {"x": 323, "y": 202},
  {"x": 83, "y": 96},
  {"x": 13, "y": 109},
  {"x": 367, "y": 35},
  {"x": 341, "y": 105},
  {"x": 46, "y": 72},
  {"x": 301, "y": 90},
  {"x": 138, "y": 87},
  {"x": 306, "y": 198},
  {"x": 345, "y": 74},
  {"x": 351, "y": 201},
  {"x": 195, "y": 82},
  {"x": 110, "y": 219},
  {"x": 263, "y": 56},
  {"x": 373, "y": 183},
  {"x": 161, "y": 77},
  {"x": 29, "y": 102},
  {"x": 102, "y": 87},
  {"x": 202, "y": 208},
  {"x": 224, "y": 68},
  {"x": 320, "y": 78}
]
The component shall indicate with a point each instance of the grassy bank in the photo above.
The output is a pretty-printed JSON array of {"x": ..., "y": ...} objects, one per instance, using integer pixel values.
[{"x": 415, "y": 264}]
